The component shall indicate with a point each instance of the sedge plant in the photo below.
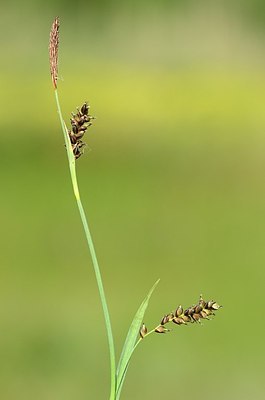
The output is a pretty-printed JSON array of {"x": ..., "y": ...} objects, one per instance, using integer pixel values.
[{"x": 79, "y": 123}]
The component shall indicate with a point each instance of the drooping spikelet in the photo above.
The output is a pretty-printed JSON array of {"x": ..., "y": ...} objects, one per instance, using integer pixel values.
[
  {"x": 79, "y": 124},
  {"x": 196, "y": 313},
  {"x": 53, "y": 50}
]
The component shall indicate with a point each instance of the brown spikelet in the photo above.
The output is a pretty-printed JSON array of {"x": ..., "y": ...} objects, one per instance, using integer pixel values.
[
  {"x": 53, "y": 51},
  {"x": 143, "y": 331},
  {"x": 161, "y": 329}
]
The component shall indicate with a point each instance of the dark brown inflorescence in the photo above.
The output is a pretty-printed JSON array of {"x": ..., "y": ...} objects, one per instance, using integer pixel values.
[
  {"x": 196, "y": 313},
  {"x": 79, "y": 124}
]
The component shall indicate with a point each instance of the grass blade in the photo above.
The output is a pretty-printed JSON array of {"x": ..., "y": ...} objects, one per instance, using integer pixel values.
[{"x": 130, "y": 341}]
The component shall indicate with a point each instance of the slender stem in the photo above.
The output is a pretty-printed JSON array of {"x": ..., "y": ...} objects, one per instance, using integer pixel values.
[
  {"x": 119, "y": 387},
  {"x": 92, "y": 251}
]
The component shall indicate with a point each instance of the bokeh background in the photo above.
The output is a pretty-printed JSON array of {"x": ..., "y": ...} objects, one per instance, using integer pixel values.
[{"x": 173, "y": 184}]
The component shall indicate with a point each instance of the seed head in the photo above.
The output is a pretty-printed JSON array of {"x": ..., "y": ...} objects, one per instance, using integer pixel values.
[
  {"x": 53, "y": 51},
  {"x": 195, "y": 313},
  {"x": 79, "y": 124}
]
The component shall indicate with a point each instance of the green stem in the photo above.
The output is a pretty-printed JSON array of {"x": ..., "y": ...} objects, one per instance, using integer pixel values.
[
  {"x": 136, "y": 344},
  {"x": 91, "y": 247}
]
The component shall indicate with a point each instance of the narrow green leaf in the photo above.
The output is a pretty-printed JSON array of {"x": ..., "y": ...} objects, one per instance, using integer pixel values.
[
  {"x": 130, "y": 341},
  {"x": 68, "y": 145}
]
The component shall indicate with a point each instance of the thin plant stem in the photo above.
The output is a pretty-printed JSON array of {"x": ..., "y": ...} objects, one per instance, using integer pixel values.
[
  {"x": 91, "y": 247},
  {"x": 119, "y": 387}
]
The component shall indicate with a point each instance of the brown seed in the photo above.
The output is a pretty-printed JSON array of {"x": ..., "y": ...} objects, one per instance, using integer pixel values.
[
  {"x": 72, "y": 138},
  {"x": 215, "y": 306},
  {"x": 171, "y": 316},
  {"x": 185, "y": 318},
  {"x": 80, "y": 134},
  {"x": 196, "y": 317},
  {"x": 209, "y": 304},
  {"x": 204, "y": 314},
  {"x": 77, "y": 119},
  {"x": 161, "y": 329},
  {"x": 165, "y": 320},
  {"x": 82, "y": 119},
  {"x": 74, "y": 129},
  {"x": 85, "y": 108},
  {"x": 143, "y": 331},
  {"x": 178, "y": 321},
  {"x": 179, "y": 311},
  {"x": 202, "y": 302},
  {"x": 198, "y": 309},
  {"x": 78, "y": 149},
  {"x": 189, "y": 311}
]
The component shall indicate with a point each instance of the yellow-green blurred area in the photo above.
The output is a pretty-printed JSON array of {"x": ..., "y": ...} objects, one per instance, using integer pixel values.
[{"x": 172, "y": 181}]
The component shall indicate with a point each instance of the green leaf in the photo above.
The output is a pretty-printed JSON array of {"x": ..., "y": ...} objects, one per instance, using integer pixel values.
[
  {"x": 68, "y": 145},
  {"x": 130, "y": 341}
]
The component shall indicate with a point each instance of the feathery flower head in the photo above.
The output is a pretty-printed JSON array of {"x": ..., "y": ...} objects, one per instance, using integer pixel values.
[{"x": 53, "y": 51}]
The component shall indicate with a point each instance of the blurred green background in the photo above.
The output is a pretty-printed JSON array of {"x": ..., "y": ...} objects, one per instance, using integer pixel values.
[{"x": 172, "y": 182}]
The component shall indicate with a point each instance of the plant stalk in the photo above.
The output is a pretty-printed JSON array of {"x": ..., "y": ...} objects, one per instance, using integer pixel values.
[{"x": 91, "y": 247}]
